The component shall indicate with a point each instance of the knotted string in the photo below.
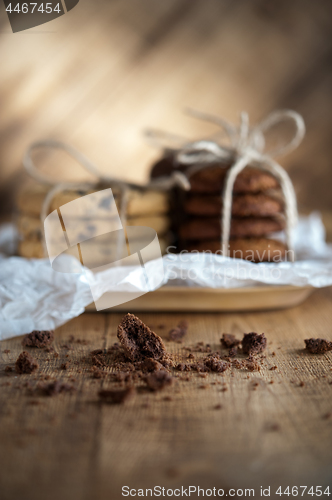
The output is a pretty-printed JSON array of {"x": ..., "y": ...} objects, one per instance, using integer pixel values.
[{"x": 246, "y": 147}]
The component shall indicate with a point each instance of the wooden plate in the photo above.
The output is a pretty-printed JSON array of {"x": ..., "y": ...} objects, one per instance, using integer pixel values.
[{"x": 177, "y": 298}]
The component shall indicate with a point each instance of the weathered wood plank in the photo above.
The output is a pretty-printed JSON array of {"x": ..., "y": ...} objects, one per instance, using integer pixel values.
[{"x": 264, "y": 434}]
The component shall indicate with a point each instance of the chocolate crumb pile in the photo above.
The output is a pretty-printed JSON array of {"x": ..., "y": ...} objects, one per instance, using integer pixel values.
[
  {"x": 177, "y": 333},
  {"x": 38, "y": 339},
  {"x": 26, "y": 364},
  {"x": 252, "y": 364},
  {"x": 140, "y": 342},
  {"x": 253, "y": 343},
  {"x": 212, "y": 363},
  {"x": 116, "y": 396},
  {"x": 140, "y": 356},
  {"x": 318, "y": 346},
  {"x": 215, "y": 364}
]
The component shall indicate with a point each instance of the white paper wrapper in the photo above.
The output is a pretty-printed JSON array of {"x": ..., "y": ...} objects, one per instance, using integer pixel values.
[{"x": 35, "y": 297}]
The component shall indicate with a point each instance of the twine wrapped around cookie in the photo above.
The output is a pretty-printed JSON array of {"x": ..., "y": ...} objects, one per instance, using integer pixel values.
[{"x": 246, "y": 147}]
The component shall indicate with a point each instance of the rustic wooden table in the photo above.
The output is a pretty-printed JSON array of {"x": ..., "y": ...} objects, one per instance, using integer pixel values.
[{"x": 265, "y": 434}]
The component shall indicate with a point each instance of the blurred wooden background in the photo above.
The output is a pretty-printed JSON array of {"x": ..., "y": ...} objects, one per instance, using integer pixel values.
[{"x": 101, "y": 74}]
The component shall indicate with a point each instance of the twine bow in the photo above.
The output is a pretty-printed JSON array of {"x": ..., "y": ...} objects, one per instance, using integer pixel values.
[{"x": 246, "y": 147}]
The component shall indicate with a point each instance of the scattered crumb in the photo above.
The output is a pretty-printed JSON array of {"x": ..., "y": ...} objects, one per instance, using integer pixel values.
[
  {"x": 233, "y": 352},
  {"x": 253, "y": 343},
  {"x": 151, "y": 365},
  {"x": 116, "y": 396},
  {"x": 318, "y": 346},
  {"x": 158, "y": 380},
  {"x": 97, "y": 372},
  {"x": 251, "y": 364},
  {"x": 8, "y": 369},
  {"x": 180, "y": 331},
  {"x": 26, "y": 364},
  {"x": 215, "y": 364},
  {"x": 183, "y": 367},
  {"x": 38, "y": 338},
  {"x": 228, "y": 341},
  {"x": 64, "y": 366},
  {"x": 273, "y": 427},
  {"x": 54, "y": 388}
]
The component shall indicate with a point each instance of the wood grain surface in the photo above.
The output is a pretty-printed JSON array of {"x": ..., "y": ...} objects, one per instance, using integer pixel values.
[
  {"x": 265, "y": 434},
  {"x": 103, "y": 73}
]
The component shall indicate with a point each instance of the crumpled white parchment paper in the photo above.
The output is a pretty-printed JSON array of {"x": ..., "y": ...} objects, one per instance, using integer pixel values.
[{"x": 35, "y": 297}]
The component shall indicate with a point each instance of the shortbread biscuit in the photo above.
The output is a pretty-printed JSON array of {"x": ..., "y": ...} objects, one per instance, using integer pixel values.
[
  {"x": 244, "y": 205},
  {"x": 94, "y": 253},
  {"x": 210, "y": 228},
  {"x": 31, "y": 227},
  {"x": 139, "y": 202}
]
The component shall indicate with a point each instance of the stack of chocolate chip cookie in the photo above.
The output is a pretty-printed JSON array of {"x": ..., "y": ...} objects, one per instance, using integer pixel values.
[
  {"x": 257, "y": 212},
  {"x": 147, "y": 208}
]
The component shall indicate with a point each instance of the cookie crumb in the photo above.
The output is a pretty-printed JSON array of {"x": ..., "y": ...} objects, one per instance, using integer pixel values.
[
  {"x": 180, "y": 331},
  {"x": 116, "y": 396},
  {"x": 54, "y": 388},
  {"x": 228, "y": 341},
  {"x": 233, "y": 352},
  {"x": 97, "y": 372},
  {"x": 251, "y": 364},
  {"x": 215, "y": 364},
  {"x": 318, "y": 346},
  {"x": 253, "y": 343},
  {"x": 140, "y": 342},
  {"x": 38, "y": 338},
  {"x": 151, "y": 365},
  {"x": 26, "y": 364},
  {"x": 158, "y": 380}
]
